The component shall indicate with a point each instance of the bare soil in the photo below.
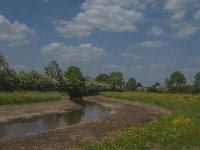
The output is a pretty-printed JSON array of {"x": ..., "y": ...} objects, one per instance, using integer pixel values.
[
  {"x": 123, "y": 113},
  {"x": 12, "y": 113}
]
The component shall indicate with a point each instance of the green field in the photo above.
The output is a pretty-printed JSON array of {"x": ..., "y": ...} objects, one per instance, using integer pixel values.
[
  {"x": 181, "y": 130},
  {"x": 28, "y": 97}
]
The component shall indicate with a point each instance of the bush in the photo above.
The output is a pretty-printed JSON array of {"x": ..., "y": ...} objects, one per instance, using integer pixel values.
[
  {"x": 141, "y": 89},
  {"x": 94, "y": 88}
]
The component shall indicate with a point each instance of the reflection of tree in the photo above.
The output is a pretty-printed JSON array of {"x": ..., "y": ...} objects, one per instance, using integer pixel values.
[
  {"x": 78, "y": 100},
  {"x": 52, "y": 121},
  {"x": 3, "y": 131},
  {"x": 73, "y": 117}
]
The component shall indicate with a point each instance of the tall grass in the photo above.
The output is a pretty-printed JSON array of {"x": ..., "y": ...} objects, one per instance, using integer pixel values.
[
  {"x": 28, "y": 97},
  {"x": 181, "y": 130}
]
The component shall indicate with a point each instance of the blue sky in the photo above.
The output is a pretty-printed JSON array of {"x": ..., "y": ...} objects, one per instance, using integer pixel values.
[{"x": 145, "y": 39}]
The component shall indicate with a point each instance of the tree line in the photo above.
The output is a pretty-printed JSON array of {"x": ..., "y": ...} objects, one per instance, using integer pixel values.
[{"x": 73, "y": 81}]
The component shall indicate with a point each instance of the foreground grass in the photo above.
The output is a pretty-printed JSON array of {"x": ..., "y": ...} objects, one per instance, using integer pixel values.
[
  {"x": 181, "y": 130},
  {"x": 28, "y": 97}
]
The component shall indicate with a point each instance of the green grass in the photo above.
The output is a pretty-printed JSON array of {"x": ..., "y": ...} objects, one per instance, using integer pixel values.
[
  {"x": 181, "y": 130},
  {"x": 28, "y": 97}
]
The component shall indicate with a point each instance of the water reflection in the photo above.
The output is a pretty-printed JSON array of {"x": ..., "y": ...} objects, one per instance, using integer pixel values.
[{"x": 90, "y": 111}]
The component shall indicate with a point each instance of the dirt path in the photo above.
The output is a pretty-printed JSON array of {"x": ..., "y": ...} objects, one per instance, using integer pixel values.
[{"x": 123, "y": 112}]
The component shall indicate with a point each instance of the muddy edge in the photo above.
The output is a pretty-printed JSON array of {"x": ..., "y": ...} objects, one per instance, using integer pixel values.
[
  {"x": 123, "y": 113},
  {"x": 26, "y": 112}
]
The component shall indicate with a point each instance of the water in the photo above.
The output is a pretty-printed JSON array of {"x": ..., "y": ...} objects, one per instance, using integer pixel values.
[{"x": 90, "y": 111}]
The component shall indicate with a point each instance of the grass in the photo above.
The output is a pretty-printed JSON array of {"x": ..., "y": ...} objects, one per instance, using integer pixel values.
[
  {"x": 28, "y": 97},
  {"x": 181, "y": 130}
]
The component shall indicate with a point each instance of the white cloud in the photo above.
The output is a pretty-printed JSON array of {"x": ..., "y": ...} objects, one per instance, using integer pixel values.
[
  {"x": 197, "y": 15},
  {"x": 111, "y": 66},
  {"x": 180, "y": 9},
  {"x": 67, "y": 53},
  {"x": 156, "y": 31},
  {"x": 112, "y": 15},
  {"x": 15, "y": 33},
  {"x": 178, "y": 16},
  {"x": 186, "y": 31},
  {"x": 191, "y": 70},
  {"x": 72, "y": 29},
  {"x": 156, "y": 66},
  {"x": 195, "y": 61},
  {"x": 45, "y": 1},
  {"x": 151, "y": 44},
  {"x": 180, "y": 5},
  {"x": 131, "y": 55}
]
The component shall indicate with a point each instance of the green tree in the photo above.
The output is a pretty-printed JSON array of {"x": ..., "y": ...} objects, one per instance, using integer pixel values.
[
  {"x": 53, "y": 70},
  {"x": 55, "y": 73},
  {"x": 8, "y": 77},
  {"x": 75, "y": 81},
  {"x": 131, "y": 84},
  {"x": 103, "y": 78},
  {"x": 3, "y": 63},
  {"x": 29, "y": 80},
  {"x": 176, "y": 82},
  {"x": 116, "y": 80},
  {"x": 197, "y": 79},
  {"x": 139, "y": 84},
  {"x": 153, "y": 88}
]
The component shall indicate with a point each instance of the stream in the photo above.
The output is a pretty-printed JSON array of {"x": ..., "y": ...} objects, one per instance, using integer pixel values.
[{"x": 18, "y": 129}]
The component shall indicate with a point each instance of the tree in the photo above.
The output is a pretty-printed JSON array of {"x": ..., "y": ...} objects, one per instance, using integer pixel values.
[
  {"x": 153, "y": 88},
  {"x": 176, "y": 82},
  {"x": 75, "y": 81},
  {"x": 131, "y": 84},
  {"x": 8, "y": 77},
  {"x": 3, "y": 63},
  {"x": 103, "y": 78},
  {"x": 53, "y": 70},
  {"x": 139, "y": 84},
  {"x": 116, "y": 80},
  {"x": 29, "y": 80},
  {"x": 197, "y": 79},
  {"x": 55, "y": 73}
]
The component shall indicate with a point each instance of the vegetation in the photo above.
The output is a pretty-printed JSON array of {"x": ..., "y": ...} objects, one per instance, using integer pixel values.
[
  {"x": 73, "y": 81},
  {"x": 28, "y": 97},
  {"x": 181, "y": 130},
  {"x": 131, "y": 84},
  {"x": 176, "y": 82}
]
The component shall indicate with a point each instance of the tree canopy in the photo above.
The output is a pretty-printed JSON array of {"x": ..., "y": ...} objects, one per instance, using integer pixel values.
[
  {"x": 75, "y": 81},
  {"x": 176, "y": 82}
]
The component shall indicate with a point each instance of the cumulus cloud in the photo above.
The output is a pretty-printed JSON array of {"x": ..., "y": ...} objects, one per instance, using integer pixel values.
[
  {"x": 15, "y": 33},
  {"x": 179, "y": 5},
  {"x": 151, "y": 44},
  {"x": 112, "y": 15},
  {"x": 72, "y": 29},
  {"x": 178, "y": 16},
  {"x": 179, "y": 9},
  {"x": 186, "y": 31},
  {"x": 156, "y": 31},
  {"x": 156, "y": 66},
  {"x": 197, "y": 15},
  {"x": 195, "y": 61},
  {"x": 131, "y": 55},
  {"x": 45, "y": 1},
  {"x": 67, "y": 53}
]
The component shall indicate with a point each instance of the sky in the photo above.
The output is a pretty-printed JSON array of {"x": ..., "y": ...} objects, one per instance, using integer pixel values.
[{"x": 145, "y": 39}]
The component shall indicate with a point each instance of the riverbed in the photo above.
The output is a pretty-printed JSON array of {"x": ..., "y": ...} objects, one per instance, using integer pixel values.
[{"x": 123, "y": 113}]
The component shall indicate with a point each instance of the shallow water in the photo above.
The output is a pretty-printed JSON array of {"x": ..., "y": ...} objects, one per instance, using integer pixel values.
[{"x": 90, "y": 111}]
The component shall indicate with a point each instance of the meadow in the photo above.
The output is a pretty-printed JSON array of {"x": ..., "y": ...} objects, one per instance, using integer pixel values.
[
  {"x": 181, "y": 130},
  {"x": 12, "y": 98}
]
